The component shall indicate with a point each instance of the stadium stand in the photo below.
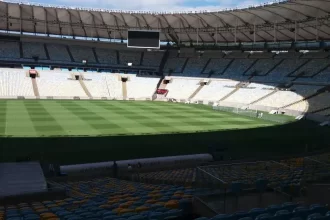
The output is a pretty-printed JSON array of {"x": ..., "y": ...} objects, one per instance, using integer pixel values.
[
  {"x": 152, "y": 59},
  {"x": 218, "y": 66},
  {"x": 195, "y": 66},
  {"x": 106, "y": 56},
  {"x": 52, "y": 83},
  {"x": 33, "y": 49},
  {"x": 97, "y": 84},
  {"x": 237, "y": 68},
  {"x": 9, "y": 50},
  {"x": 282, "y": 98},
  {"x": 251, "y": 93},
  {"x": 126, "y": 57},
  {"x": 141, "y": 87},
  {"x": 216, "y": 90},
  {"x": 181, "y": 88},
  {"x": 288, "y": 66},
  {"x": 58, "y": 52},
  {"x": 80, "y": 53},
  {"x": 15, "y": 83},
  {"x": 115, "y": 85}
]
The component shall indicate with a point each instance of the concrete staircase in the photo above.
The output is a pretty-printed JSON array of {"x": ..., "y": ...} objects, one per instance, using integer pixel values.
[
  {"x": 229, "y": 94},
  {"x": 196, "y": 91},
  {"x": 83, "y": 85},
  {"x": 35, "y": 87},
  {"x": 124, "y": 90},
  {"x": 262, "y": 98}
]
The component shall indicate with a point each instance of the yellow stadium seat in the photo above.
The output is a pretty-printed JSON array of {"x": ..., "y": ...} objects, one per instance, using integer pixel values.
[
  {"x": 141, "y": 209},
  {"x": 123, "y": 211}
]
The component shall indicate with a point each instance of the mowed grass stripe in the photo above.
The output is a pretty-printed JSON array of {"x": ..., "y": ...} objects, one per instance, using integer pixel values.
[
  {"x": 130, "y": 120},
  {"x": 3, "y": 119},
  {"x": 18, "y": 126},
  {"x": 151, "y": 119},
  {"x": 85, "y": 117},
  {"x": 43, "y": 121},
  {"x": 94, "y": 120},
  {"x": 73, "y": 124}
]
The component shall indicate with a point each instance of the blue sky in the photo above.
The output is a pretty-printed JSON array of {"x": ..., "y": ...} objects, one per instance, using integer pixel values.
[{"x": 156, "y": 5}]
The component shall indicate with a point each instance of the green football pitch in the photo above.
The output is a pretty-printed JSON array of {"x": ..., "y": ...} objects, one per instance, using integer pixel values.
[
  {"x": 43, "y": 118},
  {"x": 77, "y": 131}
]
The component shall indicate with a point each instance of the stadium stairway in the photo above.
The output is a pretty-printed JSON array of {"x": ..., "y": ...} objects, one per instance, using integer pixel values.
[
  {"x": 124, "y": 90},
  {"x": 225, "y": 69},
  {"x": 35, "y": 87},
  {"x": 262, "y": 98},
  {"x": 83, "y": 85},
  {"x": 46, "y": 51},
  {"x": 200, "y": 87},
  {"x": 95, "y": 55},
  {"x": 274, "y": 67},
  {"x": 229, "y": 94},
  {"x": 321, "y": 70},
  {"x": 298, "y": 68}
]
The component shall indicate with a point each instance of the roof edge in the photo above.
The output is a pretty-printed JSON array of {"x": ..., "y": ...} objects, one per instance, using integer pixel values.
[{"x": 274, "y": 2}]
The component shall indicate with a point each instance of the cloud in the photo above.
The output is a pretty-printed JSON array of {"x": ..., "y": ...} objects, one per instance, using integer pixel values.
[{"x": 157, "y": 5}]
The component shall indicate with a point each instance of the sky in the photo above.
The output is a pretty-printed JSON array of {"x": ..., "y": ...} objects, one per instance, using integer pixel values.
[{"x": 155, "y": 5}]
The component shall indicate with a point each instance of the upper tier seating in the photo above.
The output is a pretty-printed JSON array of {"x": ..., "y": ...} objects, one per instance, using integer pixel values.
[
  {"x": 250, "y": 94},
  {"x": 115, "y": 85},
  {"x": 106, "y": 56},
  {"x": 281, "y": 72},
  {"x": 217, "y": 66},
  {"x": 312, "y": 67},
  {"x": 263, "y": 66},
  {"x": 9, "y": 50},
  {"x": 152, "y": 59},
  {"x": 52, "y": 83},
  {"x": 181, "y": 88},
  {"x": 323, "y": 76},
  {"x": 80, "y": 53},
  {"x": 141, "y": 87},
  {"x": 175, "y": 64},
  {"x": 126, "y": 57},
  {"x": 58, "y": 52},
  {"x": 34, "y": 49},
  {"x": 216, "y": 90},
  {"x": 97, "y": 84},
  {"x": 15, "y": 83},
  {"x": 237, "y": 68},
  {"x": 195, "y": 66}
]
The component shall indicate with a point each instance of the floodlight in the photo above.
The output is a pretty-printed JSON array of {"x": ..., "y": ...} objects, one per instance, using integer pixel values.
[{"x": 129, "y": 64}]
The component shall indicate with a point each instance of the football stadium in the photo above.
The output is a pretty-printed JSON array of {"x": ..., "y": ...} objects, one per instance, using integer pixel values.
[{"x": 165, "y": 115}]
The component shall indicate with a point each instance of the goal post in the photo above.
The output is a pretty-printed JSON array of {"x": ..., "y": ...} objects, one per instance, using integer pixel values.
[{"x": 240, "y": 110}]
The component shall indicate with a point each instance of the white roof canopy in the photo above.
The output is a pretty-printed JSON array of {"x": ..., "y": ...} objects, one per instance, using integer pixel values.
[{"x": 284, "y": 21}]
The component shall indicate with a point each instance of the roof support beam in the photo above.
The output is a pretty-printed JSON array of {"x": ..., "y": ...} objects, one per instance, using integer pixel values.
[
  {"x": 82, "y": 24},
  {"x": 116, "y": 21},
  {"x": 46, "y": 22},
  {"x": 59, "y": 23},
  {"x": 94, "y": 25},
  {"x": 105, "y": 25},
  {"x": 20, "y": 19}
]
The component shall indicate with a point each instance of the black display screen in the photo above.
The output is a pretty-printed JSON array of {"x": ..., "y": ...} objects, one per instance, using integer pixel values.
[{"x": 143, "y": 39}]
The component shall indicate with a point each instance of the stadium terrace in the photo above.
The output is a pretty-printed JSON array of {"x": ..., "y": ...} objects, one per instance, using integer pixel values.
[{"x": 114, "y": 115}]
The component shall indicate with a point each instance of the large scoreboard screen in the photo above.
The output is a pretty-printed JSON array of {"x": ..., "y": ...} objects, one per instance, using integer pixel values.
[{"x": 143, "y": 39}]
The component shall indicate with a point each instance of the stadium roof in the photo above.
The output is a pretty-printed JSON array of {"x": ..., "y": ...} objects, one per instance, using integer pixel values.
[{"x": 298, "y": 20}]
